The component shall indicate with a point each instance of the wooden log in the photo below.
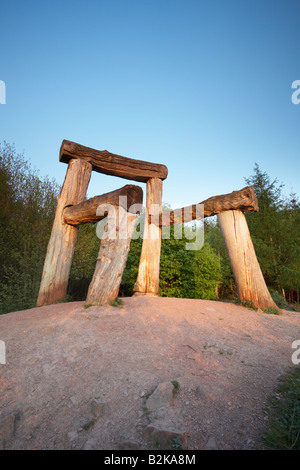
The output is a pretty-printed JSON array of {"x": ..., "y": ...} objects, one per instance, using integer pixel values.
[
  {"x": 85, "y": 212},
  {"x": 111, "y": 260},
  {"x": 244, "y": 200},
  {"x": 112, "y": 164},
  {"x": 63, "y": 237},
  {"x": 148, "y": 276},
  {"x": 247, "y": 273}
]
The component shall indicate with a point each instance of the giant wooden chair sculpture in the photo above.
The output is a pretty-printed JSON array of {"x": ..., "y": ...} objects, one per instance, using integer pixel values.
[{"x": 73, "y": 210}]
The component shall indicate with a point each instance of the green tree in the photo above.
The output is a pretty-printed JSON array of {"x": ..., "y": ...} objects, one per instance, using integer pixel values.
[
  {"x": 207, "y": 273},
  {"x": 266, "y": 225},
  {"x": 213, "y": 236},
  {"x": 176, "y": 277},
  {"x": 288, "y": 272},
  {"x": 27, "y": 208},
  {"x": 275, "y": 231}
]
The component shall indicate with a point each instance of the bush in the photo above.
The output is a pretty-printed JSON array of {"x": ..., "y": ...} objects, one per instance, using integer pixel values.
[
  {"x": 183, "y": 273},
  {"x": 283, "y": 431},
  {"x": 207, "y": 273},
  {"x": 280, "y": 301},
  {"x": 27, "y": 208}
]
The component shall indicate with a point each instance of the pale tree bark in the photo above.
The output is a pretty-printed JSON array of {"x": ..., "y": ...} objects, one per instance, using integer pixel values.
[
  {"x": 111, "y": 261},
  {"x": 148, "y": 276},
  {"x": 247, "y": 273},
  {"x": 63, "y": 237}
]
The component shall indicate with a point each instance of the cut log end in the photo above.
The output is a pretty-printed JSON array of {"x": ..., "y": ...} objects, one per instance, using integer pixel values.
[{"x": 243, "y": 200}]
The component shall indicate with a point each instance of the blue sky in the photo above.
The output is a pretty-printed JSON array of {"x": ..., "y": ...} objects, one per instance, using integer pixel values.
[{"x": 201, "y": 86}]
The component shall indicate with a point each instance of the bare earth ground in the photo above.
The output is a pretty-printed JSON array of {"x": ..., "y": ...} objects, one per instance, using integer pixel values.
[{"x": 79, "y": 378}]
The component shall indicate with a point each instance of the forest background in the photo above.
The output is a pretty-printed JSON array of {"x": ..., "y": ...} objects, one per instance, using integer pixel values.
[{"x": 27, "y": 208}]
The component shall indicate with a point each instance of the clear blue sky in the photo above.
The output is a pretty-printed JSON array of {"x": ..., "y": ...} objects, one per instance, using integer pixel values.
[{"x": 201, "y": 86}]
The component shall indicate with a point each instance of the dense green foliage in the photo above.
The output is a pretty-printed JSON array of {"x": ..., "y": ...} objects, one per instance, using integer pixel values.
[
  {"x": 183, "y": 273},
  {"x": 275, "y": 231},
  {"x": 188, "y": 273},
  {"x": 27, "y": 208}
]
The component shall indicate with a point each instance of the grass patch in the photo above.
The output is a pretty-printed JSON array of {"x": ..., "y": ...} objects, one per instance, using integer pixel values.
[
  {"x": 281, "y": 302},
  {"x": 283, "y": 411},
  {"x": 63, "y": 301},
  {"x": 176, "y": 443},
  {"x": 272, "y": 311},
  {"x": 246, "y": 304},
  {"x": 88, "y": 425},
  {"x": 88, "y": 305},
  {"x": 176, "y": 387},
  {"x": 116, "y": 303}
]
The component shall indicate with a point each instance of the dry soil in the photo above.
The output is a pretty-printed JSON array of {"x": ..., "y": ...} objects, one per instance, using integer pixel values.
[{"x": 79, "y": 378}]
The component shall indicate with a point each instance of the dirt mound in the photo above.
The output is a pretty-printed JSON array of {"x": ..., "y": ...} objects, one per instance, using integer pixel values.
[{"x": 194, "y": 373}]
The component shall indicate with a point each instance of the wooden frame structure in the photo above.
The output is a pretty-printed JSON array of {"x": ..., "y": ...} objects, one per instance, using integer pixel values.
[{"x": 73, "y": 210}]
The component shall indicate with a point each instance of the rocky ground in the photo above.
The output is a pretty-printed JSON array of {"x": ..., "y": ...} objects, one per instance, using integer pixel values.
[{"x": 154, "y": 373}]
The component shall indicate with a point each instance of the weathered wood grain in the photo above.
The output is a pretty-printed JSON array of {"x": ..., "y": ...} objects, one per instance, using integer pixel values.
[
  {"x": 148, "y": 276},
  {"x": 86, "y": 212},
  {"x": 247, "y": 273},
  {"x": 63, "y": 237},
  {"x": 244, "y": 200},
  {"x": 112, "y": 164},
  {"x": 111, "y": 260}
]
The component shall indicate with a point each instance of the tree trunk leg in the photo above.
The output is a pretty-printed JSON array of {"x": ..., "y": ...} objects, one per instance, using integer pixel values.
[
  {"x": 111, "y": 260},
  {"x": 148, "y": 276},
  {"x": 63, "y": 237},
  {"x": 247, "y": 273}
]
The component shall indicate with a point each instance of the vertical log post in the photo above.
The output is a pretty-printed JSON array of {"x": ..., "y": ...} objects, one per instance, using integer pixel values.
[
  {"x": 247, "y": 273},
  {"x": 63, "y": 237},
  {"x": 112, "y": 257},
  {"x": 148, "y": 276}
]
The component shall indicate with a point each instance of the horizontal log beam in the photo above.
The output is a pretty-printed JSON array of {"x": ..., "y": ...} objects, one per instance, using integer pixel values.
[
  {"x": 86, "y": 212},
  {"x": 243, "y": 200},
  {"x": 111, "y": 164}
]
